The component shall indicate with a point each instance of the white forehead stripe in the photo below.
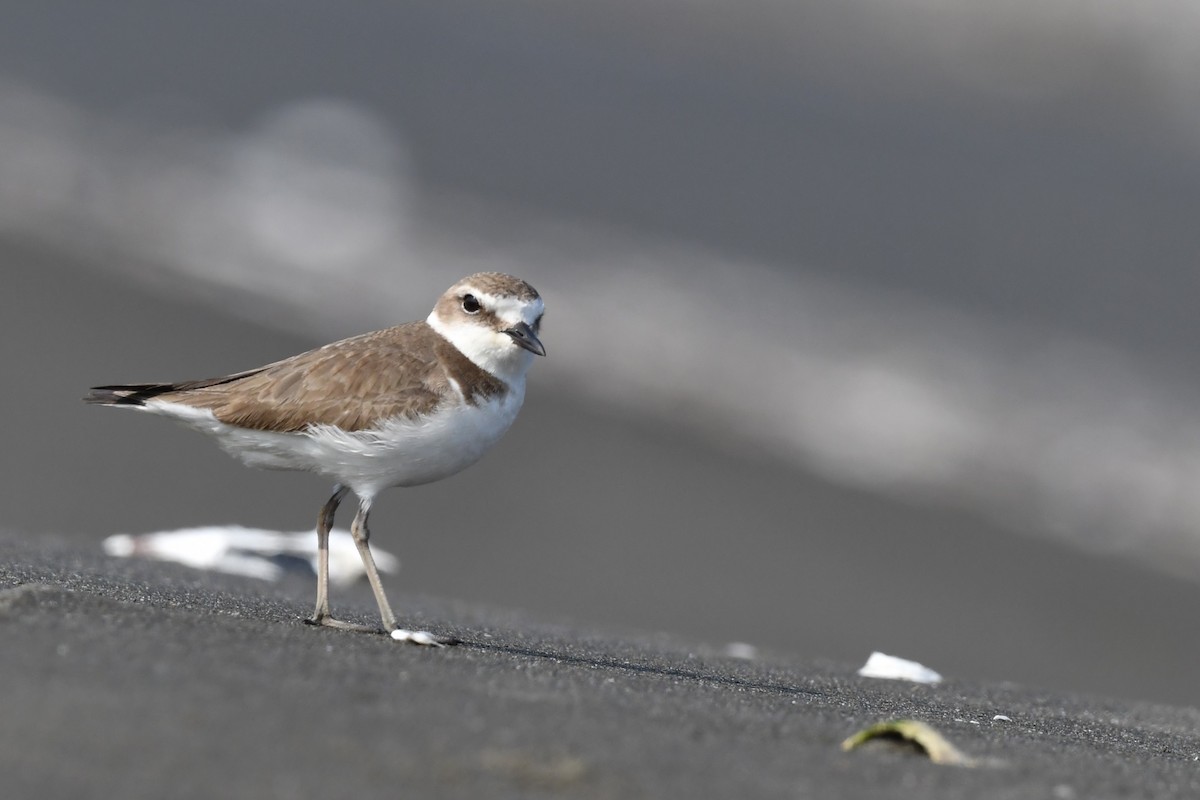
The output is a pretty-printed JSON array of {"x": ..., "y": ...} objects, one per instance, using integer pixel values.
[{"x": 510, "y": 310}]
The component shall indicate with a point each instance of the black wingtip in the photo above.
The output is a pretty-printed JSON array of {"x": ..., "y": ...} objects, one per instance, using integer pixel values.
[
  {"x": 136, "y": 394},
  {"x": 133, "y": 395}
]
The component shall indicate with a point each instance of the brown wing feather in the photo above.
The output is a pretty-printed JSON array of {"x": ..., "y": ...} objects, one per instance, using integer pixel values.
[{"x": 352, "y": 384}]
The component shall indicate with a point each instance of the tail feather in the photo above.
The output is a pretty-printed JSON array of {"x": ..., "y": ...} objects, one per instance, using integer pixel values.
[
  {"x": 136, "y": 394},
  {"x": 133, "y": 394}
]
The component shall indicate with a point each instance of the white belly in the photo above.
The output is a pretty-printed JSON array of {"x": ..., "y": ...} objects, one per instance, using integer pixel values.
[{"x": 400, "y": 452}]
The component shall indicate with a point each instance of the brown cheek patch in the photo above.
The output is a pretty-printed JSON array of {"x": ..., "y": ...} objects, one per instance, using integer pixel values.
[{"x": 450, "y": 308}]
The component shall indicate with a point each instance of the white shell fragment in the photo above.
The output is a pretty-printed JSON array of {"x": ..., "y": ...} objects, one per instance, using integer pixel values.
[
  {"x": 251, "y": 552},
  {"x": 742, "y": 650},
  {"x": 881, "y": 665},
  {"x": 417, "y": 637}
]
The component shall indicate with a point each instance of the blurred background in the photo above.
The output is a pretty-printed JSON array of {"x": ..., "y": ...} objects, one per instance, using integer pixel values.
[{"x": 871, "y": 324}]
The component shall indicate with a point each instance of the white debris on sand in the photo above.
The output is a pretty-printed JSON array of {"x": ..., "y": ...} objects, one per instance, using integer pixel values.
[
  {"x": 251, "y": 552},
  {"x": 417, "y": 637},
  {"x": 881, "y": 665},
  {"x": 742, "y": 650}
]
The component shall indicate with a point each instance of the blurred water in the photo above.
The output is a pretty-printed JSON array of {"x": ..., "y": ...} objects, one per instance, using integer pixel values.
[{"x": 313, "y": 209}]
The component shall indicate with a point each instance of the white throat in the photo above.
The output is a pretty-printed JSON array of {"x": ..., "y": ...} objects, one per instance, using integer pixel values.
[{"x": 490, "y": 350}]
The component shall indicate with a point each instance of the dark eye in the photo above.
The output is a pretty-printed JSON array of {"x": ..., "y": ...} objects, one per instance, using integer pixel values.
[{"x": 470, "y": 304}]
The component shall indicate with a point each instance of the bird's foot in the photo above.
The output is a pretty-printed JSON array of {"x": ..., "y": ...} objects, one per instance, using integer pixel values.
[{"x": 330, "y": 622}]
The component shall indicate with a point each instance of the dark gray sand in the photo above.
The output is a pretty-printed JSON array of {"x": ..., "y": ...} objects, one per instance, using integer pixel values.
[{"x": 135, "y": 679}]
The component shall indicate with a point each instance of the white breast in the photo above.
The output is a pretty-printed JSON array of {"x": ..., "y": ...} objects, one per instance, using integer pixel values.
[{"x": 400, "y": 452}]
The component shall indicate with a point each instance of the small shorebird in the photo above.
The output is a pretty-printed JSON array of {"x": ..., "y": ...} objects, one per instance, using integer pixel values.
[{"x": 399, "y": 407}]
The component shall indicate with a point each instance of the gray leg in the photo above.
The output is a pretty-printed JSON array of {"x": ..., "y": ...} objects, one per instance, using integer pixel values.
[
  {"x": 324, "y": 525},
  {"x": 362, "y": 539},
  {"x": 320, "y": 614}
]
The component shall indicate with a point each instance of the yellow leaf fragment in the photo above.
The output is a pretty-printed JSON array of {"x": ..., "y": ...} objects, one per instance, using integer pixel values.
[{"x": 922, "y": 737}]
